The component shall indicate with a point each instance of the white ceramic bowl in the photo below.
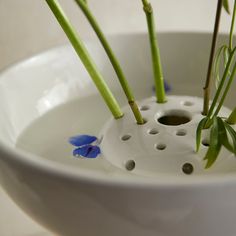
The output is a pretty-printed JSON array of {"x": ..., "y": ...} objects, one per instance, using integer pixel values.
[{"x": 48, "y": 98}]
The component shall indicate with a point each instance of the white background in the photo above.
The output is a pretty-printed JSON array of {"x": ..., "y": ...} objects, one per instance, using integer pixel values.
[{"x": 27, "y": 27}]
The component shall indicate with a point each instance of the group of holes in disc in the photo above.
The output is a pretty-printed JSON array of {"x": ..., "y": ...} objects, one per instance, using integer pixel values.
[
  {"x": 161, "y": 146},
  {"x": 154, "y": 131},
  {"x": 173, "y": 120},
  {"x": 185, "y": 103},
  {"x": 187, "y": 168}
]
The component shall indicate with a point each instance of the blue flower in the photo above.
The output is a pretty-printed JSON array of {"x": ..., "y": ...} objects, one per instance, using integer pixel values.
[
  {"x": 167, "y": 87},
  {"x": 85, "y": 146}
]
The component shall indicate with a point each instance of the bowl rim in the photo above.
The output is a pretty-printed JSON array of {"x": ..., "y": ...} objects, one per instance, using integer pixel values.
[{"x": 49, "y": 167}]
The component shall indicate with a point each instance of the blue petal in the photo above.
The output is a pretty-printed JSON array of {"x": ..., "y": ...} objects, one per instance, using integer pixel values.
[
  {"x": 88, "y": 151},
  {"x": 167, "y": 87},
  {"x": 82, "y": 140}
]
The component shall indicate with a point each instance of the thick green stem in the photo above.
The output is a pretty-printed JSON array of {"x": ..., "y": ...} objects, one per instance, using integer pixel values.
[
  {"x": 206, "y": 88},
  {"x": 156, "y": 60},
  {"x": 232, "y": 28},
  {"x": 226, "y": 91},
  {"x": 124, "y": 83},
  {"x": 221, "y": 85},
  {"x": 232, "y": 118},
  {"x": 85, "y": 58}
]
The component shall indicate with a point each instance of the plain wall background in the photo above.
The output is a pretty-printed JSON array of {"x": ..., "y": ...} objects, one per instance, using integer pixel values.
[{"x": 28, "y": 27}]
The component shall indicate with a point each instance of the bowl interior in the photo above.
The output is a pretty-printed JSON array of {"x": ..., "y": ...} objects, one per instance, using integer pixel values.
[{"x": 50, "y": 97}]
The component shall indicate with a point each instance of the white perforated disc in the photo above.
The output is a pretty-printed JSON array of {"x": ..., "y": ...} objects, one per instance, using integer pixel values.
[{"x": 154, "y": 147}]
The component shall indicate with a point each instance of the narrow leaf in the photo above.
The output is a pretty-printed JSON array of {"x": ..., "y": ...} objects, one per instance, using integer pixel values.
[
  {"x": 215, "y": 145},
  {"x": 223, "y": 137},
  {"x": 232, "y": 117},
  {"x": 226, "y": 6},
  {"x": 200, "y": 127},
  {"x": 232, "y": 133},
  {"x": 226, "y": 55},
  {"x": 216, "y": 66}
]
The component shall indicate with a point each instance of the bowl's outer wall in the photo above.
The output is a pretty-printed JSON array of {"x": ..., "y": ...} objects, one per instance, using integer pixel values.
[
  {"x": 71, "y": 207},
  {"x": 74, "y": 206}
]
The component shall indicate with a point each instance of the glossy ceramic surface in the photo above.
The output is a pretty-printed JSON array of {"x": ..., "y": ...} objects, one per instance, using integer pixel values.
[
  {"x": 50, "y": 97},
  {"x": 14, "y": 222},
  {"x": 163, "y": 145}
]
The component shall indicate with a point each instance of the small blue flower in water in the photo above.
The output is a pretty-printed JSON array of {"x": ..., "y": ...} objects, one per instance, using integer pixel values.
[
  {"x": 166, "y": 86},
  {"x": 85, "y": 146}
]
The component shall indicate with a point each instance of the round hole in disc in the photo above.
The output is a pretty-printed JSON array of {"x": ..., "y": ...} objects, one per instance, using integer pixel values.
[
  {"x": 130, "y": 165},
  {"x": 205, "y": 143},
  {"x": 161, "y": 146},
  {"x": 174, "y": 118},
  {"x": 153, "y": 131},
  {"x": 187, "y": 168},
  {"x": 144, "y": 108},
  {"x": 188, "y": 103},
  {"x": 181, "y": 132},
  {"x": 126, "y": 137}
]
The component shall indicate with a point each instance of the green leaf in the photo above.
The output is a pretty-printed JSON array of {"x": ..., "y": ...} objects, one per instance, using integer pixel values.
[
  {"x": 232, "y": 133},
  {"x": 226, "y": 55},
  {"x": 226, "y": 6},
  {"x": 216, "y": 65},
  {"x": 215, "y": 145},
  {"x": 200, "y": 127},
  {"x": 223, "y": 137},
  {"x": 223, "y": 50},
  {"x": 232, "y": 117}
]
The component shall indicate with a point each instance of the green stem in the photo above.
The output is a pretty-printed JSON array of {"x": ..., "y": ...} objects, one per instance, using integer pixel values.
[
  {"x": 226, "y": 91},
  {"x": 156, "y": 60},
  {"x": 85, "y": 58},
  {"x": 232, "y": 118},
  {"x": 232, "y": 28},
  {"x": 221, "y": 85},
  {"x": 124, "y": 83},
  {"x": 206, "y": 89}
]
